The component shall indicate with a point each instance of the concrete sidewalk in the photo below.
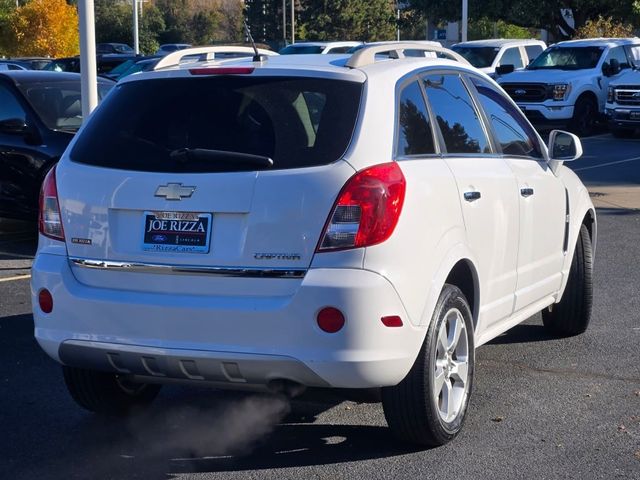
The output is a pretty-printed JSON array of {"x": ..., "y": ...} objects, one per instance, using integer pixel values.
[{"x": 615, "y": 196}]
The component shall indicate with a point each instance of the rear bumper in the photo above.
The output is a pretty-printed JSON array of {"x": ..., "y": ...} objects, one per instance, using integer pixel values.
[{"x": 234, "y": 341}]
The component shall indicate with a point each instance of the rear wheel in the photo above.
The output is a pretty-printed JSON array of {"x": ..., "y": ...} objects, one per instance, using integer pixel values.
[
  {"x": 572, "y": 314},
  {"x": 584, "y": 118},
  {"x": 108, "y": 393},
  {"x": 429, "y": 406}
]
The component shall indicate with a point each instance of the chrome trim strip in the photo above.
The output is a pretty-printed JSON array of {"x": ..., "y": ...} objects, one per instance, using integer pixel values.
[{"x": 138, "y": 267}]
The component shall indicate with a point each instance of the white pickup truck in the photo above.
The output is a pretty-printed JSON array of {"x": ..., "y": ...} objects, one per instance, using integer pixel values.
[
  {"x": 623, "y": 99},
  {"x": 567, "y": 84}
]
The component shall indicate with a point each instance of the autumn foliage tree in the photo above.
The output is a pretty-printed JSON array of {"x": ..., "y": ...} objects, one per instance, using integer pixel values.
[{"x": 44, "y": 28}]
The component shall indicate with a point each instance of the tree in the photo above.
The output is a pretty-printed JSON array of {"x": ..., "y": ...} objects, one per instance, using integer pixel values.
[
  {"x": 230, "y": 19},
  {"x": 604, "y": 27},
  {"x": 44, "y": 28},
  {"x": 367, "y": 20},
  {"x": 533, "y": 13},
  {"x": 7, "y": 8}
]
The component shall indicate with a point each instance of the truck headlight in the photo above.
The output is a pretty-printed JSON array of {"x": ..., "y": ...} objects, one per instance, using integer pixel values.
[
  {"x": 561, "y": 91},
  {"x": 610, "y": 95}
]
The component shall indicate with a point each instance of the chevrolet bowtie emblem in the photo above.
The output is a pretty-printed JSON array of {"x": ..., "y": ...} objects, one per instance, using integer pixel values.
[{"x": 174, "y": 191}]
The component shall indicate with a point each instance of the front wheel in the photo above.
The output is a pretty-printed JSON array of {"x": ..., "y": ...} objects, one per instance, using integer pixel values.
[
  {"x": 107, "y": 393},
  {"x": 584, "y": 118},
  {"x": 572, "y": 314},
  {"x": 429, "y": 406}
]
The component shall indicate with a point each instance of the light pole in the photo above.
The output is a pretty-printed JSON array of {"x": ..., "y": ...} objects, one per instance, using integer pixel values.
[
  {"x": 284, "y": 22},
  {"x": 293, "y": 21},
  {"x": 465, "y": 19},
  {"x": 88, "y": 70},
  {"x": 136, "y": 42}
]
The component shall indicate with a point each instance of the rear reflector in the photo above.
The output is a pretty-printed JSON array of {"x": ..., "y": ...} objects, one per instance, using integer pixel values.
[
  {"x": 222, "y": 71},
  {"x": 392, "y": 321},
  {"x": 330, "y": 319},
  {"x": 45, "y": 300},
  {"x": 50, "y": 221},
  {"x": 367, "y": 209}
]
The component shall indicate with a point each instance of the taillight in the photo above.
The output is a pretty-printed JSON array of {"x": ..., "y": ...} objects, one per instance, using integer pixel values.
[
  {"x": 50, "y": 221},
  {"x": 367, "y": 209},
  {"x": 221, "y": 71}
]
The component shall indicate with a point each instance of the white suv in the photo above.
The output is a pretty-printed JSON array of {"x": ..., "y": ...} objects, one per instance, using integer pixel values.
[
  {"x": 305, "y": 221},
  {"x": 488, "y": 55},
  {"x": 567, "y": 84}
]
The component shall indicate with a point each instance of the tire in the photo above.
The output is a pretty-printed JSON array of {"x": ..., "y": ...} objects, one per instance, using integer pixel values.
[
  {"x": 107, "y": 393},
  {"x": 572, "y": 314},
  {"x": 413, "y": 407},
  {"x": 584, "y": 118},
  {"x": 622, "y": 132}
]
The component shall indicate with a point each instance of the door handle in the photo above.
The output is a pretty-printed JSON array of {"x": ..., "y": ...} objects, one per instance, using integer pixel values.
[
  {"x": 526, "y": 192},
  {"x": 472, "y": 196}
]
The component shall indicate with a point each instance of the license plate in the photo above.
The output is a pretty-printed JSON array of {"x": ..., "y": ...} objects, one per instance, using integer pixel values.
[
  {"x": 184, "y": 232},
  {"x": 634, "y": 116}
]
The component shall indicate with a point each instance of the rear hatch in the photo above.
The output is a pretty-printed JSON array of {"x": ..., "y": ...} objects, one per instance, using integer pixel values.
[{"x": 231, "y": 172}]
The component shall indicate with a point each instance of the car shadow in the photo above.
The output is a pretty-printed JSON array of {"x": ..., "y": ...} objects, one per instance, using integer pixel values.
[
  {"x": 187, "y": 429},
  {"x": 523, "y": 333}
]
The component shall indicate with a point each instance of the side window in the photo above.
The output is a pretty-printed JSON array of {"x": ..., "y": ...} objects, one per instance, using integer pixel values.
[
  {"x": 457, "y": 117},
  {"x": 533, "y": 51},
  {"x": 511, "y": 56},
  {"x": 339, "y": 50},
  {"x": 10, "y": 108},
  {"x": 618, "y": 54},
  {"x": 513, "y": 132},
  {"x": 414, "y": 130}
]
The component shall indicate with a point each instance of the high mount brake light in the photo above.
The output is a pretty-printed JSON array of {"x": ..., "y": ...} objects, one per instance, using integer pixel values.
[
  {"x": 221, "y": 71},
  {"x": 367, "y": 209},
  {"x": 49, "y": 219}
]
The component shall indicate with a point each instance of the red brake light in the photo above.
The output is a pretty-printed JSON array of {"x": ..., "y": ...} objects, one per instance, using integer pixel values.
[
  {"x": 367, "y": 209},
  {"x": 222, "y": 71},
  {"x": 49, "y": 220},
  {"x": 330, "y": 319},
  {"x": 45, "y": 300}
]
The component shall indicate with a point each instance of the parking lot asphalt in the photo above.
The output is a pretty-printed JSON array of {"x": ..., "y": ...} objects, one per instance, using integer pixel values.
[{"x": 542, "y": 407}]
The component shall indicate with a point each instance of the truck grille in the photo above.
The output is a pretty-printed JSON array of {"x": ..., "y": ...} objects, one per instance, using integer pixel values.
[
  {"x": 628, "y": 95},
  {"x": 527, "y": 92}
]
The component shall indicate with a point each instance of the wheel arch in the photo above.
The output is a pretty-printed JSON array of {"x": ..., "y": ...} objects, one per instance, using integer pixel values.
[{"x": 458, "y": 268}]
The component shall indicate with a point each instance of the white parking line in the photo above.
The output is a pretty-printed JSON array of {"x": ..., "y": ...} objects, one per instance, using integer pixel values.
[
  {"x": 19, "y": 277},
  {"x": 634, "y": 159}
]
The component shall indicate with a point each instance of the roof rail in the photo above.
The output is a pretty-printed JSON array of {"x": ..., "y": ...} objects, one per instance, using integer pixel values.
[
  {"x": 367, "y": 55},
  {"x": 173, "y": 59}
]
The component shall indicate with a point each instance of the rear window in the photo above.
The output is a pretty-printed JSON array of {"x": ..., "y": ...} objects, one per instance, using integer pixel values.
[{"x": 221, "y": 124}]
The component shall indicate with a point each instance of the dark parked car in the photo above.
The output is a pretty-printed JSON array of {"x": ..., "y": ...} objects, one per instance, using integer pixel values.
[
  {"x": 105, "y": 63},
  {"x": 102, "y": 48},
  {"x": 39, "y": 114}
]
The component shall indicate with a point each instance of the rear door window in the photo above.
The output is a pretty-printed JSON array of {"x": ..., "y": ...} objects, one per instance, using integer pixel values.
[
  {"x": 533, "y": 51},
  {"x": 414, "y": 128},
  {"x": 221, "y": 124},
  {"x": 457, "y": 117},
  {"x": 511, "y": 56}
]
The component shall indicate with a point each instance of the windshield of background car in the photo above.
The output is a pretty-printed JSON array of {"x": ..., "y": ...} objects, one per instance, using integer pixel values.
[
  {"x": 568, "y": 58},
  {"x": 293, "y": 50},
  {"x": 58, "y": 104},
  {"x": 479, "y": 57},
  {"x": 152, "y": 125},
  {"x": 634, "y": 55}
]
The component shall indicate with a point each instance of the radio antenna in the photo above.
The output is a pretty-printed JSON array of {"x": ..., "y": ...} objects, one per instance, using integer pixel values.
[{"x": 256, "y": 57}]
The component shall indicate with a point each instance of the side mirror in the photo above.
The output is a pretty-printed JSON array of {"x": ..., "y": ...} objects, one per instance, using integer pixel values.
[
  {"x": 614, "y": 64},
  {"x": 13, "y": 125},
  {"x": 564, "y": 146},
  {"x": 606, "y": 69},
  {"x": 504, "y": 69}
]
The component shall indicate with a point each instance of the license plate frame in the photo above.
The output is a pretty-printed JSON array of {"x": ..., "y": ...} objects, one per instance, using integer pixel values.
[{"x": 176, "y": 232}]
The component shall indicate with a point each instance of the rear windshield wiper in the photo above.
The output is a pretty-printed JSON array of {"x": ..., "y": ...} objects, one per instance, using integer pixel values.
[{"x": 184, "y": 155}]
